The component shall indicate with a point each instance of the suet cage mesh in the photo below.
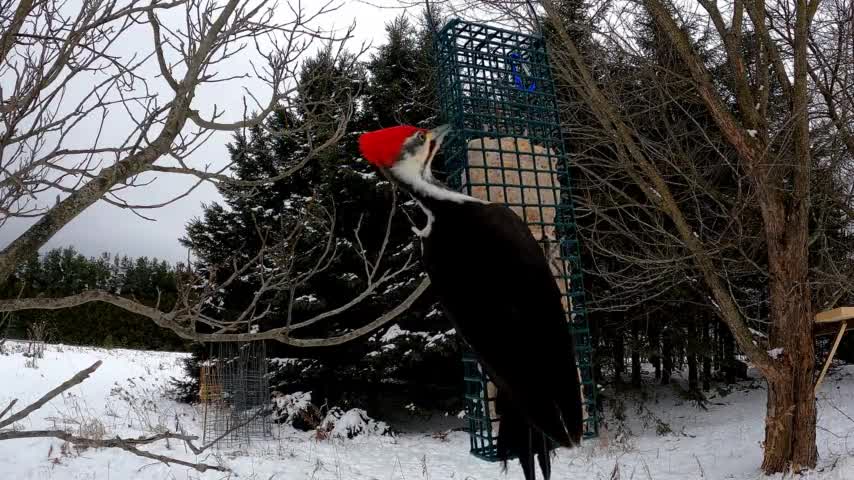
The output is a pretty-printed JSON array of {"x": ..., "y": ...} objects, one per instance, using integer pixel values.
[
  {"x": 235, "y": 394},
  {"x": 497, "y": 93}
]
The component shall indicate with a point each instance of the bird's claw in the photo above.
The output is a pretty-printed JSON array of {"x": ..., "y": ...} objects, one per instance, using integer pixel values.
[{"x": 421, "y": 232}]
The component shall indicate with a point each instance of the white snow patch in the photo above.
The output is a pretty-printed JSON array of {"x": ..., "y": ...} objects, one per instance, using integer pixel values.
[
  {"x": 352, "y": 423},
  {"x": 309, "y": 299},
  {"x": 436, "y": 338},
  {"x": 757, "y": 333},
  {"x": 752, "y": 133},
  {"x": 775, "y": 353},
  {"x": 367, "y": 176},
  {"x": 391, "y": 288},
  {"x": 393, "y": 332},
  {"x": 127, "y": 394},
  {"x": 288, "y": 406},
  {"x": 282, "y": 362}
]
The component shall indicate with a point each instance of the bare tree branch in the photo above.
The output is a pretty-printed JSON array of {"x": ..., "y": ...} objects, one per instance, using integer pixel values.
[
  {"x": 78, "y": 378},
  {"x": 129, "y": 445},
  {"x": 43, "y": 135}
]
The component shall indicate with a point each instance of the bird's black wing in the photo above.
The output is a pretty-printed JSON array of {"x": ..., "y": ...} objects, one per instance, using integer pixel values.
[{"x": 496, "y": 286}]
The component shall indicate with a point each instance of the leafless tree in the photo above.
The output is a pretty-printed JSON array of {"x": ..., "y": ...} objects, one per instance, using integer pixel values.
[
  {"x": 764, "y": 217},
  {"x": 47, "y": 48},
  {"x": 286, "y": 261},
  {"x": 68, "y": 84},
  {"x": 746, "y": 177},
  {"x": 67, "y": 75}
]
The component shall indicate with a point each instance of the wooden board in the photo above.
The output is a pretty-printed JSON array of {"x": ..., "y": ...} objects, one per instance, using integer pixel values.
[
  {"x": 835, "y": 315},
  {"x": 842, "y": 328}
]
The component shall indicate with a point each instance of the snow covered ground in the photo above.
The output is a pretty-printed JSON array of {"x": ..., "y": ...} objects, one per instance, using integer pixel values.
[{"x": 662, "y": 438}]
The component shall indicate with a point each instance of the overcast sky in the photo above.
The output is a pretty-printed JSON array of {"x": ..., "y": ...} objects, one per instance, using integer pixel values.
[{"x": 105, "y": 228}]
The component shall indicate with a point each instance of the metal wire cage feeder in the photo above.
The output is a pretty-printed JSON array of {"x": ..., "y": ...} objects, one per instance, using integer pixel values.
[
  {"x": 497, "y": 93},
  {"x": 235, "y": 393}
]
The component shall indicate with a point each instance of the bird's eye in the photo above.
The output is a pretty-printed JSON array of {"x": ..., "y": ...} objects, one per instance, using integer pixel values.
[{"x": 421, "y": 137}]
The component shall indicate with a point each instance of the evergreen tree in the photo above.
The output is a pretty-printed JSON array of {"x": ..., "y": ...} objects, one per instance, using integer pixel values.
[
  {"x": 402, "y": 89},
  {"x": 62, "y": 272},
  {"x": 416, "y": 357}
]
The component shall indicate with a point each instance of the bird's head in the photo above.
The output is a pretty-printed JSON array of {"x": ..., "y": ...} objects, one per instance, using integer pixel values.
[{"x": 405, "y": 152}]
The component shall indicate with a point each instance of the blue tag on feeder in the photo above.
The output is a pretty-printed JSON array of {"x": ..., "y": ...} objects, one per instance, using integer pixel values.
[{"x": 515, "y": 64}]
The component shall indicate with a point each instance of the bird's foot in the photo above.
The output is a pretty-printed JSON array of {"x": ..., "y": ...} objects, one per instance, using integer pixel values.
[{"x": 422, "y": 232}]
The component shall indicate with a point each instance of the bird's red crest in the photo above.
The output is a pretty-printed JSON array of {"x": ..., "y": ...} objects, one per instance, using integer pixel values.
[{"x": 381, "y": 148}]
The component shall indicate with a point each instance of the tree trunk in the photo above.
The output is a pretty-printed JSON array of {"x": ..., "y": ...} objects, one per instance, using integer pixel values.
[
  {"x": 666, "y": 357},
  {"x": 790, "y": 422},
  {"x": 636, "y": 358},
  {"x": 655, "y": 347},
  {"x": 718, "y": 346},
  {"x": 619, "y": 356},
  {"x": 781, "y": 182},
  {"x": 599, "y": 348},
  {"x": 728, "y": 360},
  {"x": 707, "y": 357},
  {"x": 691, "y": 353}
]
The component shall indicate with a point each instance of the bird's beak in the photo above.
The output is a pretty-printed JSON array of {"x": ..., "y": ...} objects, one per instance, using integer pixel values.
[{"x": 437, "y": 135}]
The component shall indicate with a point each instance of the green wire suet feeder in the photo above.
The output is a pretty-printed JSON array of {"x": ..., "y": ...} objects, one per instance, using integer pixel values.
[{"x": 496, "y": 91}]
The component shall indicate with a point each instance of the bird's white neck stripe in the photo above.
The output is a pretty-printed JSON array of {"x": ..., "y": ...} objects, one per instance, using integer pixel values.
[
  {"x": 424, "y": 232},
  {"x": 409, "y": 172}
]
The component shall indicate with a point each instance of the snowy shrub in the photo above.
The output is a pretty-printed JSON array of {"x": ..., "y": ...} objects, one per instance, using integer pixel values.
[
  {"x": 412, "y": 364},
  {"x": 402, "y": 354},
  {"x": 350, "y": 424},
  {"x": 296, "y": 410}
]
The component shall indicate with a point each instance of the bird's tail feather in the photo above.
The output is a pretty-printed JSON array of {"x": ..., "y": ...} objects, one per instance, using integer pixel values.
[{"x": 516, "y": 438}]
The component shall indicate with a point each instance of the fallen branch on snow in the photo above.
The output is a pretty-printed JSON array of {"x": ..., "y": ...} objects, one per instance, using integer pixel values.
[{"x": 127, "y": 444}]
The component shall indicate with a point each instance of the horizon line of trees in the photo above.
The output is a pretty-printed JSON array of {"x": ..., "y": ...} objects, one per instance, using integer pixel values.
[{"x": 63, "y": 271}]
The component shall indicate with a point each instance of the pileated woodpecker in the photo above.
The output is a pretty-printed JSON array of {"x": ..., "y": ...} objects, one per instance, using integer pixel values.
[{"x": 494, "y": 283}]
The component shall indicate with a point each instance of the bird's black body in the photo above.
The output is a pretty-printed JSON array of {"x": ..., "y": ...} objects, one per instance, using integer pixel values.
[
  {"x": 494, "y": 282},
  {"x": 495, "y": 285}
]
